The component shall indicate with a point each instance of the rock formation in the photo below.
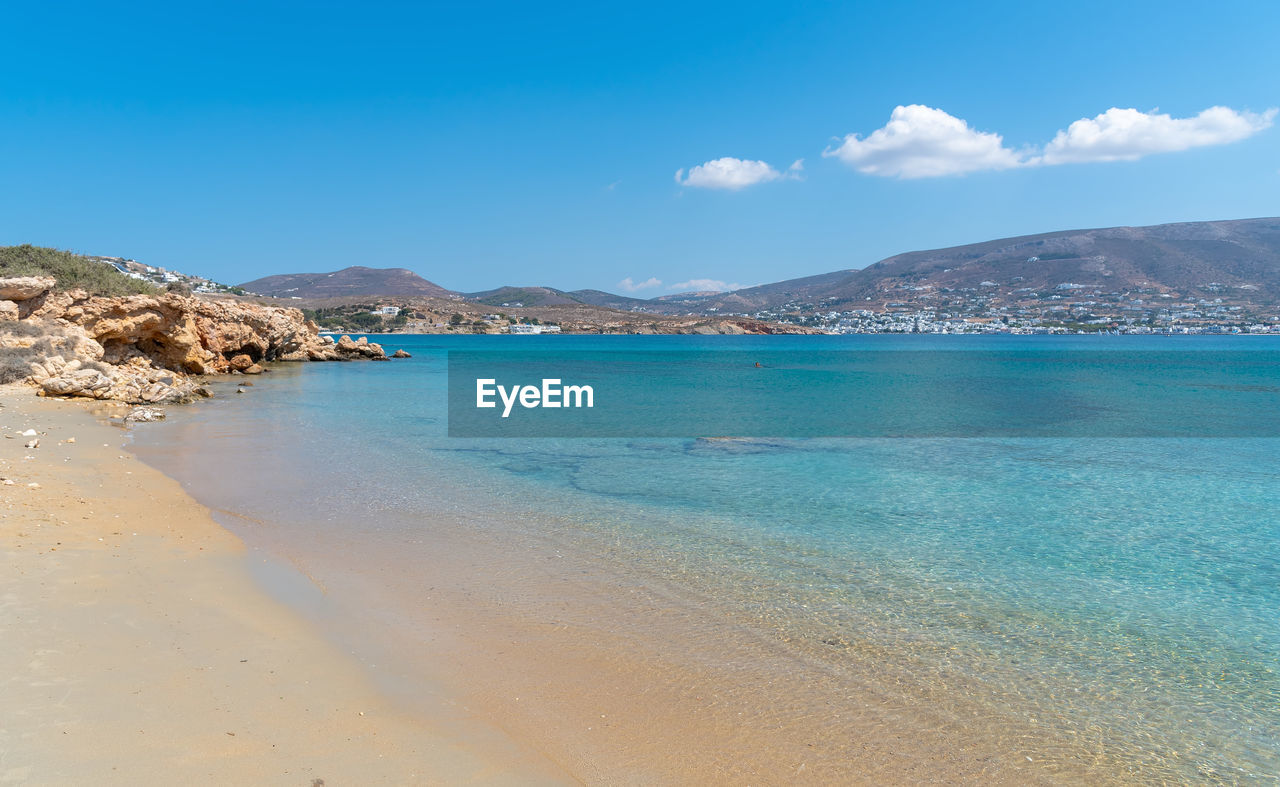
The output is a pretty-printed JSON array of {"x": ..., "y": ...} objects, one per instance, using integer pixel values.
[
  {"x": 23, "y": 288},
  {"x": 143, "y": 348}
]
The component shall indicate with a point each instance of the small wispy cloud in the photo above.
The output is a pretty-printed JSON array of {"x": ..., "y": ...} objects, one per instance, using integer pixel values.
[
  {"x": 924, "y": 142},
  {"x": 630, "y": 285},
  {"x": 731, "y": 173},
  {"x": 704, "y": 285}
]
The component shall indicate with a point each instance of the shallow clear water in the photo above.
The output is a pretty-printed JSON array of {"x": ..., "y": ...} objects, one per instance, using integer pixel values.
[{"x": 1125, "y": 586}]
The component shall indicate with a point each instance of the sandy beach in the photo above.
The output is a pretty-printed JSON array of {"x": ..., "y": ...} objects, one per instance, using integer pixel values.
[
  {"x": 139, "y": 650},
  {"x": 144, "y": 643}
]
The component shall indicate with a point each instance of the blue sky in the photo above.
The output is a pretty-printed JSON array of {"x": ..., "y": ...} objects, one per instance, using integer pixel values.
[{"x": 487, "y": 144}]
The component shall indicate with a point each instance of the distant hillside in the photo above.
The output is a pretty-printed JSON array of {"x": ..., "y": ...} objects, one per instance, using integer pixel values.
[
  {"x": 628, "y": 304},
  {"x": 549, "y": 296},
  {"x": 1190, "y": 258},
  {"x": 356, "y": 280},
  {"x": 1195, "y": 259},
  {"x": 689, "y": 296},
  {"x": 71, "y": 271},
  {"x": 521, "y": 296}
]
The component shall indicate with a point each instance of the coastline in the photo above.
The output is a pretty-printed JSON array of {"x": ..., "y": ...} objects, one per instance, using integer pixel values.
[
  {"x": 616, "y": 669},
  {"x": 192, "y": 665},
  {"x": 619, "y": 674},
  {"x": 140, "y": 648}
]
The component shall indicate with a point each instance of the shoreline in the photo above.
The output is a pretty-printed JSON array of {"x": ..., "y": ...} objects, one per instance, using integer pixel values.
[
  {"x": 209, "y": 661},
  {"x": 616, "y": 674},
  {"x": 507, "y": 667},
  {"x": 141, "y": 648}
]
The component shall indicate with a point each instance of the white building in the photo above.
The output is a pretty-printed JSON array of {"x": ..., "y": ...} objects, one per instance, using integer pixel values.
[{"x": 532, "y": 329}]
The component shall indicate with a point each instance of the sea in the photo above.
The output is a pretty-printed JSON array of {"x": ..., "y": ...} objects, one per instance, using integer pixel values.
[{"x": 1002, "y": 571}]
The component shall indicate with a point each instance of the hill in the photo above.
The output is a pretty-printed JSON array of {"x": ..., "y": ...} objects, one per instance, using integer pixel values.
[
  {"x": 1190, "y": 259},
  {"x": 521, "y": 296},
  {"x": 70, "y": 271},
  {"x": 627, "y": 304},
  {"x": 1163, "y": 277},
  {"x": 549, "y": 296},
  {"x": 356, "y": 280}
]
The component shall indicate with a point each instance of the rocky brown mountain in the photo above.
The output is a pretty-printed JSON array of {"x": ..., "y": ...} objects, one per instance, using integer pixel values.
[
  {"x": 1193, "y": 258},
  {"x": 356, "y": 280}
]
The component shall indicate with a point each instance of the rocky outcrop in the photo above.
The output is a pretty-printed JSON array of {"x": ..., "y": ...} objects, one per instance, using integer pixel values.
[
  {"x": 193, "y": 335},
  {"x": 361, "y": 348},
  {"x": 22, "y": 288},
  {"x": 133, "y": 382},
  {"x": 143, "y": 348}
]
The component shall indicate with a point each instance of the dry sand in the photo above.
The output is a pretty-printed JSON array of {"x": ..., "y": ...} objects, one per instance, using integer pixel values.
[{"x": 136, "y": 648}]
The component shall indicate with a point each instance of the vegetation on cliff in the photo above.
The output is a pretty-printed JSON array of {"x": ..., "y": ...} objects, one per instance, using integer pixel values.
[{"x": 70, "y": 270}]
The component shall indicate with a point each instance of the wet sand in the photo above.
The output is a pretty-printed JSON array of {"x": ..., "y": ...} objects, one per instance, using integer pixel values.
[
  {"x": 623, "y": 682},
  {"x": 138, "y": 648}
]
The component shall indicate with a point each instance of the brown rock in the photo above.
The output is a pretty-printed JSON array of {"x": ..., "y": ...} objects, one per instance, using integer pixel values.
[
  {"x": 346, "y": 348},
  {"x": 21, "y": 288},
  {"x": 153, "y": 342},
  {"x": 184, "y": 333},
  {"x": 144, "y": 414},
  {"x": 78, "y": 382},
  {"x": 400, "y": 354}
]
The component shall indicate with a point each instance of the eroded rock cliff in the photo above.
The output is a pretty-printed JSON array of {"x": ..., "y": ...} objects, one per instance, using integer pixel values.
[{"x": 146, "y": 348}]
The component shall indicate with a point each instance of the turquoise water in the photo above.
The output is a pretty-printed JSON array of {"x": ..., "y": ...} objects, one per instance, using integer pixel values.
[{"x": 1128, "y": 586}]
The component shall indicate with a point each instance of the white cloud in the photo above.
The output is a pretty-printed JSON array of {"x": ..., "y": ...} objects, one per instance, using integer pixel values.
[
  {"x": 704, "y": 285},
  {"x": 1127, "y": 134},
  {"x": 632, "y": 286},
  {"x": 923, "y": 142},
  {"x": 734, "y": 173}
]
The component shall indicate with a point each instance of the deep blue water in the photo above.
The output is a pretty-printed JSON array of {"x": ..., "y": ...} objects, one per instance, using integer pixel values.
[{"x": 1129, "y": 584}]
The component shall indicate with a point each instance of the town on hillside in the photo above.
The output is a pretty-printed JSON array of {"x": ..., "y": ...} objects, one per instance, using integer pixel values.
[{"x": 1065, "y": 307}]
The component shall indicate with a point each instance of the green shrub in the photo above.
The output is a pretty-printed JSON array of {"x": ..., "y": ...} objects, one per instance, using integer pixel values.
[{"x": 70, "y": 270}]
